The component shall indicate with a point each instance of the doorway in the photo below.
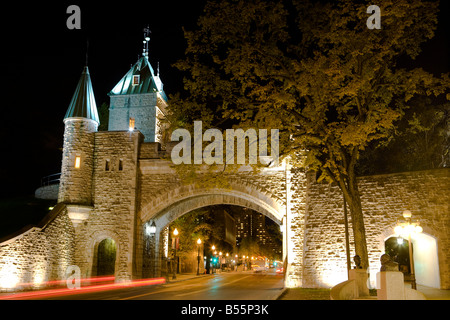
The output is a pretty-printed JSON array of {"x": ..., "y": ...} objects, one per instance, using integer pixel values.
[{"x": 106, "y": 257}]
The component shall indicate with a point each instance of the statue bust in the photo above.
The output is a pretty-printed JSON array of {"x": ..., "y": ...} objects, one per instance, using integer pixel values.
[
  {"x": 357, "y": 260},
  {"x": 387, "y": 264}
]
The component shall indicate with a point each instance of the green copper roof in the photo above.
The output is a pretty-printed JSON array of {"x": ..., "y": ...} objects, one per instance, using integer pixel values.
[
  {"x": 83, "y": 101},
  {"x": 147, "y": 82}
]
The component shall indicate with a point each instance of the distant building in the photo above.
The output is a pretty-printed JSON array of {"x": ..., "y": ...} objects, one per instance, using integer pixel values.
[{"x": 251, "y": 224}]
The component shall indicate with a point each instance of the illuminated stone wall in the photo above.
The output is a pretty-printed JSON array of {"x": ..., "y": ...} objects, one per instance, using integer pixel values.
[
  {"x": 114, "y": 195},
  {"x": 76, "y": 183},
  {"x": 37, "y": 255},
  {"x": 384, "y": 198},
  {"x": 139, "y": 187},
  {"x": 142, "y": 107}
]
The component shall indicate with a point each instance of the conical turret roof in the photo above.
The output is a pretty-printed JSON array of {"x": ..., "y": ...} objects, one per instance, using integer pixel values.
[{"x": 83, "y": 103}]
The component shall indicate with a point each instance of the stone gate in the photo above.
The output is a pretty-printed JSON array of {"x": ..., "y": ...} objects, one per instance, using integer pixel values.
[{"x": 116, "y": 183}]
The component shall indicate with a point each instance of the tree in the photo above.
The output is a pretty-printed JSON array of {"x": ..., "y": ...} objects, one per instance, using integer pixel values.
[
  {"x": 420, "y": 141},
  {"x": 192, "y": 226},
  {"x": 103, "y": 114},
  {"x": 314, "y": 71}
]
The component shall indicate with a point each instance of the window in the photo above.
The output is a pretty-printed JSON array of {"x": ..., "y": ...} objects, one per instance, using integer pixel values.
[
  {"x": 136, "y": 79},
  {"x": 131, "y": 124},
  {"x": 77, "y": 162},
  {"x": 120, "y": 165},
  {"x": 107, "y": 165}
]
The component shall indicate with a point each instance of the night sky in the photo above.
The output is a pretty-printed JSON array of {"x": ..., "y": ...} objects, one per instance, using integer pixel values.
[{"x": 42, "y": 62}]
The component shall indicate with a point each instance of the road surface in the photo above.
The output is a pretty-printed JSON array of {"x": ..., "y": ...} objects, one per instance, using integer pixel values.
[{"x": 225, "y": 286}]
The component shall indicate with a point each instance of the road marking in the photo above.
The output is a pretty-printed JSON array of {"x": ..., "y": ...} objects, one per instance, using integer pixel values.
[
  {"x": 181, "y": 294},
  {"x": 164, "y": 289},
  {"x": 206, "y": 289}
]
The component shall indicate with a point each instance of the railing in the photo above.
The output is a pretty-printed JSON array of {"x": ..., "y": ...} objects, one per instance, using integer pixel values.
[{"x": 51, "y": 179}]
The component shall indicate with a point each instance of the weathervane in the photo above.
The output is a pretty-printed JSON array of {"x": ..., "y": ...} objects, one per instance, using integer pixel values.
[{"x": 146, "y": 41}]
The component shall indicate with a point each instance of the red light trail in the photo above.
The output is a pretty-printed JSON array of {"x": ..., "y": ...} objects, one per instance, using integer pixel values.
[{"x": 42, "y": 294}]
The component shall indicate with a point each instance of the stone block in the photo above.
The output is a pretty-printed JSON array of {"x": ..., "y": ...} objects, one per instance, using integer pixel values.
[
  {"x": 361, "y": 278},
  {"x": 390, "y": 285}
]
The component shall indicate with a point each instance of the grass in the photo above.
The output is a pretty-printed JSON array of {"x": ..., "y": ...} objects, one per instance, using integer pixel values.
[{"x": 306, "y": 294}]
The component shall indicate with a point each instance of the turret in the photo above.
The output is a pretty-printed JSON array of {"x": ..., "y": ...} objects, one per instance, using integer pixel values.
[
  {"x": 81, "y": 121},
  {"x": 138, "y": 101}
]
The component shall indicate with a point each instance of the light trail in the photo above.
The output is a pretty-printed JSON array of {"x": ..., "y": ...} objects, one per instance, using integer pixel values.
[
  {"x": 42, "y": 294},
  {"x": 64, "y": 282}
]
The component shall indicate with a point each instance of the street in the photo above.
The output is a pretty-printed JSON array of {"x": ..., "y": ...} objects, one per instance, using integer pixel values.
[{"x": 225, "y": 286}]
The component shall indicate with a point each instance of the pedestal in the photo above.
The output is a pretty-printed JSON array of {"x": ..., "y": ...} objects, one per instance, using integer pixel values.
[
  {"x": 361, "y": 278},
  {"x": 390, "y": 285}
]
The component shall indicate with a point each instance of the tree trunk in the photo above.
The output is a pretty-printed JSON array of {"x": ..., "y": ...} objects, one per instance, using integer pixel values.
[{"x": 359, "y": 232}]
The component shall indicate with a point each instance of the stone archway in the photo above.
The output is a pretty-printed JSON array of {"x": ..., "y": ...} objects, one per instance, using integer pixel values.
[
  {"x": 188, "y": 198},
  {"x": 425, "y": 253},
  {"x": 103, "y": 255}
]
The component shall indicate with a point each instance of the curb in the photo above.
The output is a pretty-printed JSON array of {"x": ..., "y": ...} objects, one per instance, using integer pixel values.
[
  {"x": 187, "y": 278},
  {"x": 282, "y": 292}
]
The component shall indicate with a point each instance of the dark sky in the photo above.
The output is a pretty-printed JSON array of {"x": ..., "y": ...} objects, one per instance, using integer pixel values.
[{"x": 42, "y": 61}]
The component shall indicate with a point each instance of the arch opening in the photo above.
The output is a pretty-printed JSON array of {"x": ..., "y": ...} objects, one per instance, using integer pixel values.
[
  {"x": 165, "y": 217},
  {"x": 425, "y": 257},
  {"x": 105, "y": 258}
]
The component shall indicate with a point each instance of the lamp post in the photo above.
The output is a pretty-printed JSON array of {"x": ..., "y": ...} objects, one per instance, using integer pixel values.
[
  {"x": 227, "y": 261},
  {"x": 199, "y": 242},
  {"x": 151, "y": 232},
  {"x": 213, "y": 248},
  {"x": 175, "y": 234},
  {"x": 405, "y": 230}
]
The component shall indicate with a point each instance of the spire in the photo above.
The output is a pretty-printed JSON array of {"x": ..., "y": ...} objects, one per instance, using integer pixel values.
[
  {"x": 146, "y": 41},
  {"x": 83, "y": 103},
  {"x": 141, "y": 78}
]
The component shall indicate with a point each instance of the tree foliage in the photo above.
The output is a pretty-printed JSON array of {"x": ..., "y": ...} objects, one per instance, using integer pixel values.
[{"x": 314, "y": 71}]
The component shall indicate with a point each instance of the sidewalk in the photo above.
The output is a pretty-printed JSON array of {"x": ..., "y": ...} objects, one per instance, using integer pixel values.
[
  {"x": 324, "y": 294},
  {"x": 434, "y": 294},
  {"x": 185, "y": 276}
]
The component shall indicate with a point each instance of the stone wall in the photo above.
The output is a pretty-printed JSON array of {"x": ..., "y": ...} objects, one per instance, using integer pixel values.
[
  {"x": 141, "y": 107},
  {"x": 384, "y": 198},
  {"x": 38, "y": 254},
  {"x": 114, "y": 199},
  {"x": 135, "y": 189}
]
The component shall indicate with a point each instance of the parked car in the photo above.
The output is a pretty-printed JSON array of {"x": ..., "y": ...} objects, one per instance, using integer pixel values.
[{"x": 257, "y": 268}]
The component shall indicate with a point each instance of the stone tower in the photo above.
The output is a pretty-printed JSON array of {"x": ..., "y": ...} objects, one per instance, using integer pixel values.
[
  {"x": 81, "y": 122},
  {"x": 138, "y": 101}
]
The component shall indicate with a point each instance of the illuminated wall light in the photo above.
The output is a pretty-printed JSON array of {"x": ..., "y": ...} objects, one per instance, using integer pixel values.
[
  {"x": 333, "y": 273},
  {"x": 39, "y": 278},
  {"x": 131, "y": 124},
  {"x": 77, "y": 162},
  {"x": 8, "y": 276}
]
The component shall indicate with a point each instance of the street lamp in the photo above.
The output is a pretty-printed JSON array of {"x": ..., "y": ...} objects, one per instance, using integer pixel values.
[
  {"x": 227, "y": 261},
  {"x": 152, "y": 228},
  {"x": 175, "y": 234},
  {"x": 213, "y": 248},
  {"x": 405, "y": 230},
  {"x": 199, "y": 242}
]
